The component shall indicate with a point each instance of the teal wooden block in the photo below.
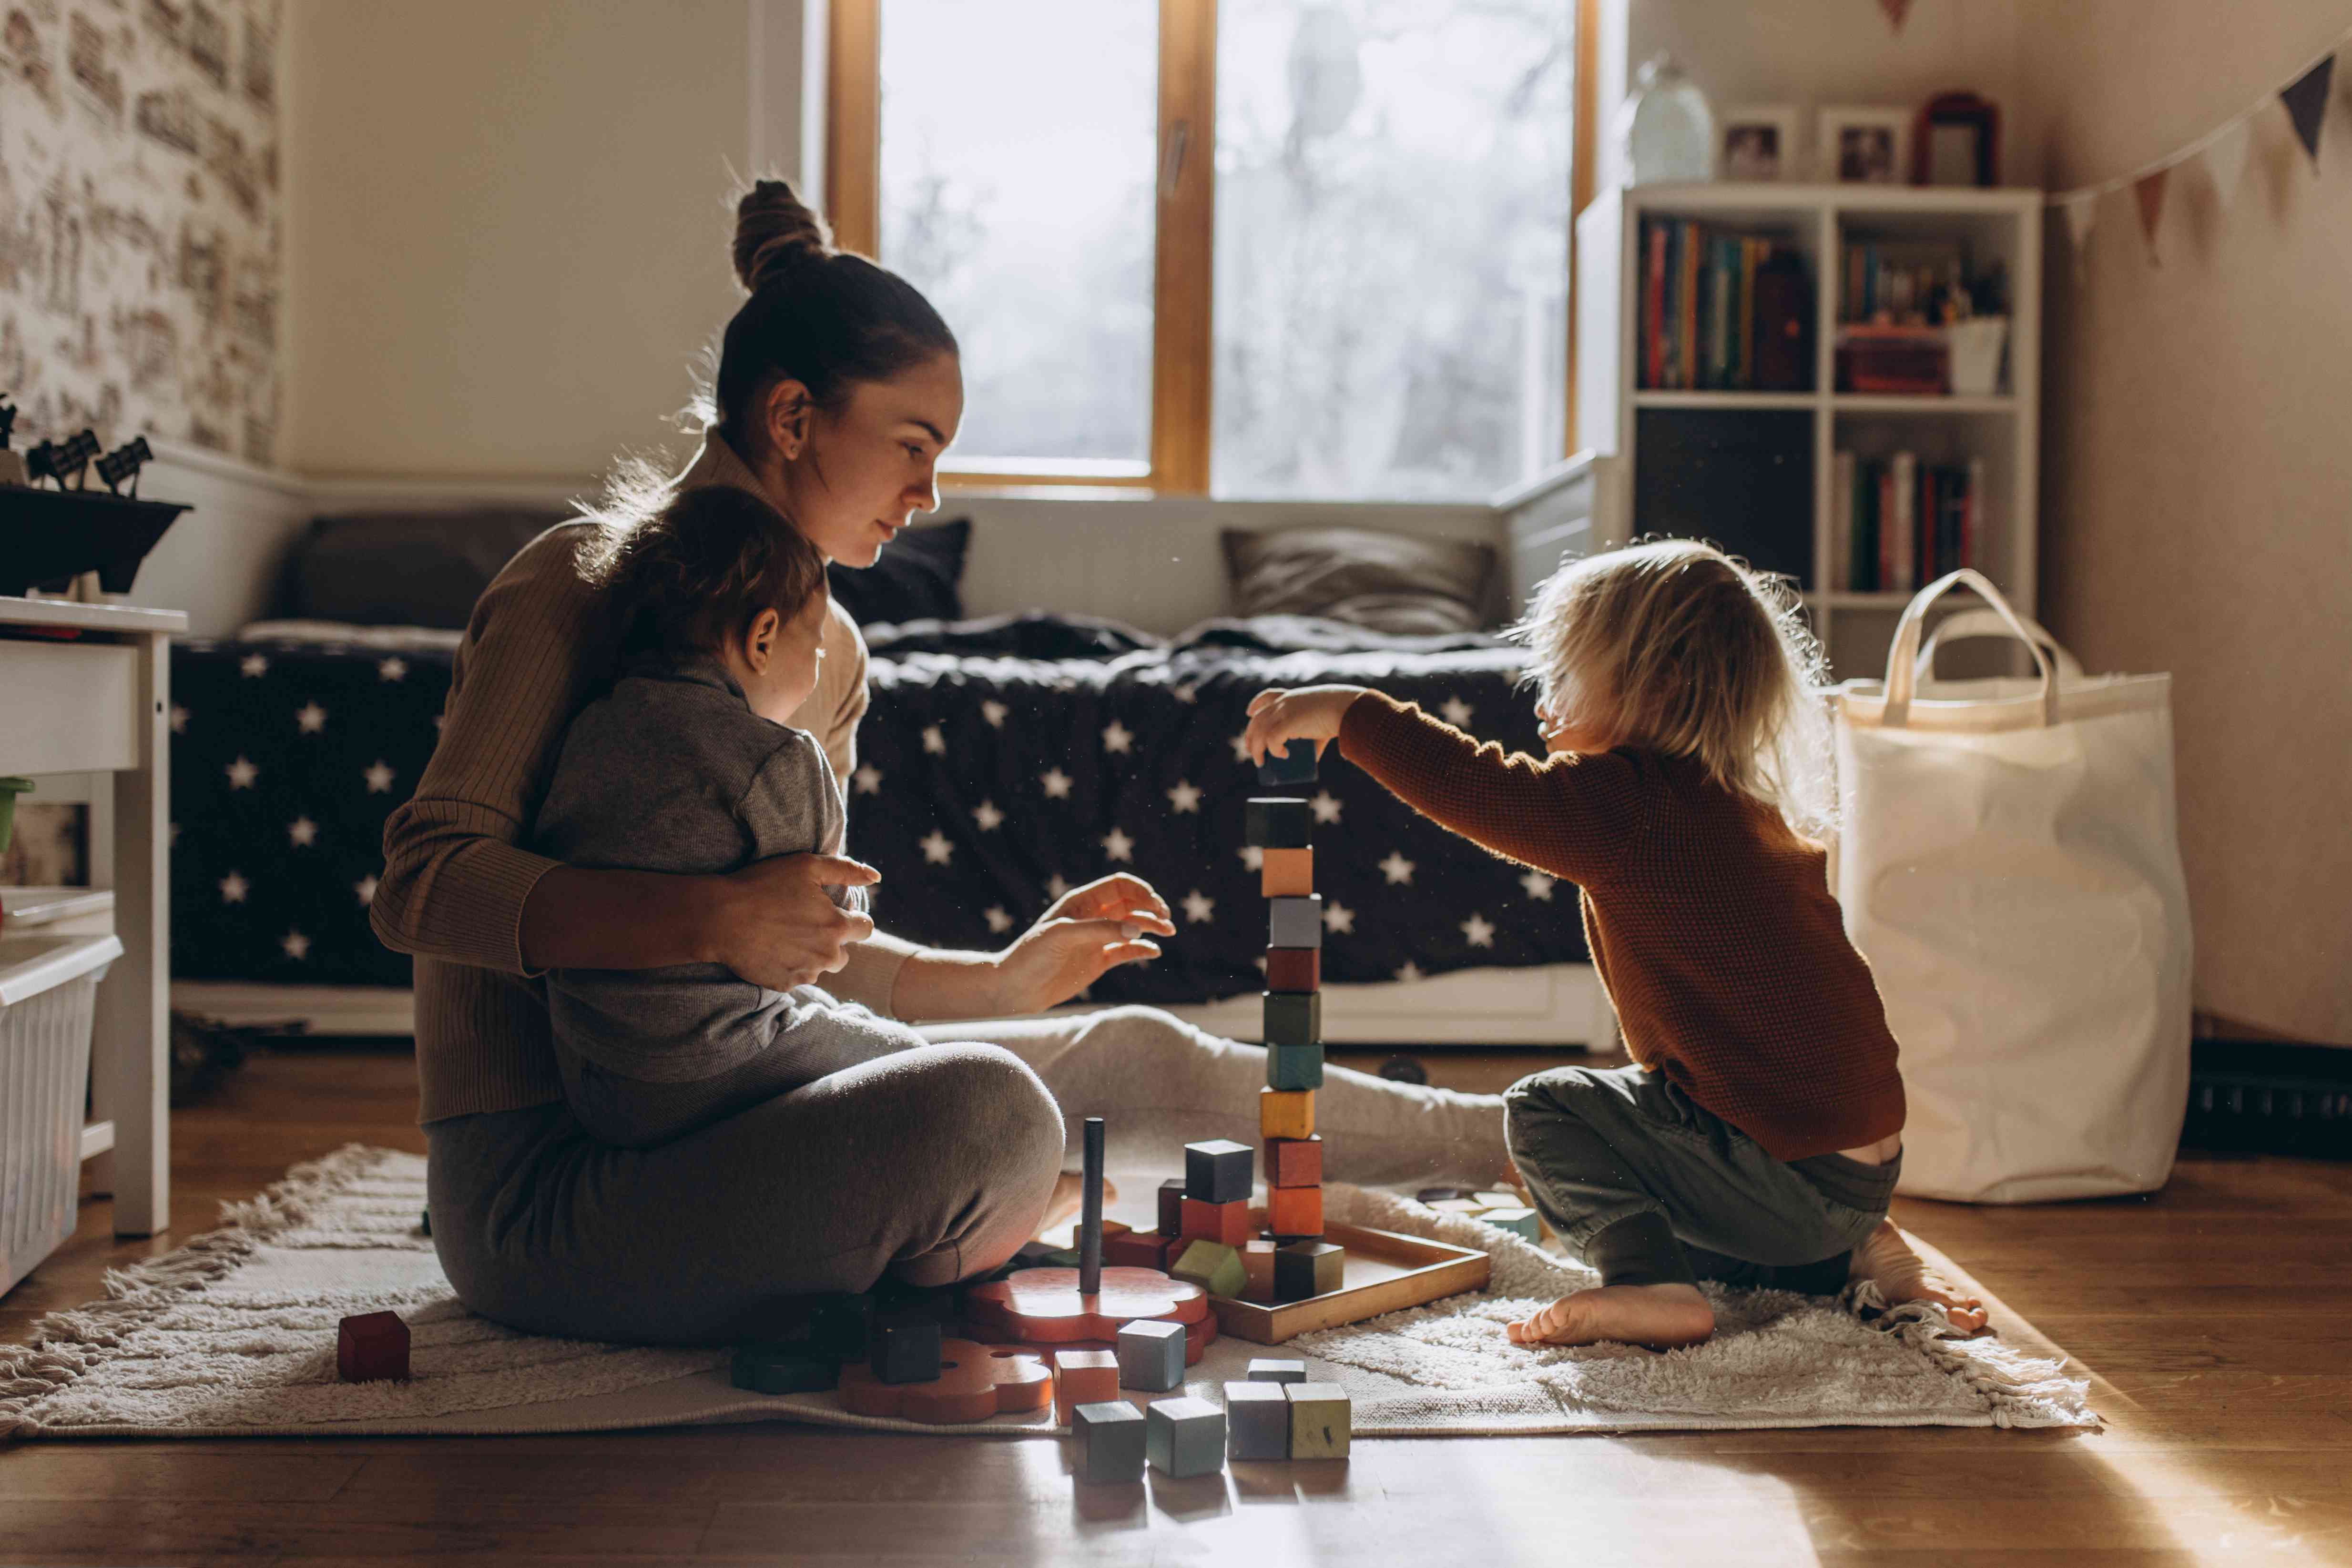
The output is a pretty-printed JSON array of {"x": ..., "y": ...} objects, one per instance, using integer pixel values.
[
  {"x": 1294, "y": 764},
  {"x": 1294, "y": 1067},
  {"x": 1110, "y": 1436},
  {"x": 1520, "y": 1222},
  {"x": 1293, "y": 1018},
  {"x": 1185, "y": 1436}
]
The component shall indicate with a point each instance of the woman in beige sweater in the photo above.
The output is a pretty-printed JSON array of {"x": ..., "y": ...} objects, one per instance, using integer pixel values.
[{"x": 838, "y": 387}]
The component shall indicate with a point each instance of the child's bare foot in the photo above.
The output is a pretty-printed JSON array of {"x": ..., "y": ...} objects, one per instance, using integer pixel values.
[
  {"x": 1660, "y": 1316},
  {"x": 1887, "y": 1261},
  {"x": 1069, "y": 1196}
]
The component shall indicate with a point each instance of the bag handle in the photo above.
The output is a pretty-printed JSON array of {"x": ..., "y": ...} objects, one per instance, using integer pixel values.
[
  {"x": 1964, "y": 625},
  {"x": 1903, "y": 657}
]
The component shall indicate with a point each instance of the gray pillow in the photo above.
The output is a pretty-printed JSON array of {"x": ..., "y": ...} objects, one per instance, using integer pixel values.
[
  {"x": 402, "y": 569},
  {"x": 1384, "y": 583}
]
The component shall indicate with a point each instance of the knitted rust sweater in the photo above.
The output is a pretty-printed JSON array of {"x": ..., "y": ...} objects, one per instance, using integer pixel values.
[{"x": 1710, "y": 920}]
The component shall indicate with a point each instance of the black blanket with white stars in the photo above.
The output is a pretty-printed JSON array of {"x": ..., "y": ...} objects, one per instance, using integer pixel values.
[{"x": 987, "y": 783}]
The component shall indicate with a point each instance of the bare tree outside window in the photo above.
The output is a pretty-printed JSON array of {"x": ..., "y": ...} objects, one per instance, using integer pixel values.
[{"x": 1391, "y": 245}]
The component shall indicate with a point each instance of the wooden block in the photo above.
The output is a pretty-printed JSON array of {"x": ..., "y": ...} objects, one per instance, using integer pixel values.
[
  {"x": 1500, "y": 1200},
  {"x": 769, "y": 1368},
  {"x": 1109, "y": 1435},
  {"x": 1136, "y": 1250},
  {"x": 1287, "y": 874},
  {"x": 1217, "y": 1171},
  {"x": 1277, "y": 1369},
  {"x": 1184, "y": 1436},
  {"x": 1257, "y": 1269},
  {"x": 424, "y": 1222},
  {"x": 1295, "y": 765},
  {"x": 1045, "y": 1306},
  {"x": 906, "y": 1351},
  {"x": 1225, "y": 1222},
  {"x": 1257, "y": 1421},
  {"x": 1305, "y": 1268},
  {"x": 1293, "y": 1213},
  {"x": 1520, "y": 1222},
  {"x": 1294, "y": 1067},
  {"x": 1292, "y": 1018},
  {"x": 1151, "y": 1356},
  {"x": 1083, "y": 1377},
  {"x": 1172, "y": 1206},
  {"x": 1214, "y": 1267},
  {"x": 1321, "y": 1420},
  {"x": 1294, "y": 968},
  {"x": 1442, "y": 1194},
  {"x": 1294, "y": 1162},
  {"x": 1466, "y": 1207},
  {"x": 1278, "y": 822},
  {"x": 1295, "y": 922},
  {"x": 371, "y": 1348},
  {"x": 975, "y": 1382},
  {"x": 1286, "y": 1112}
]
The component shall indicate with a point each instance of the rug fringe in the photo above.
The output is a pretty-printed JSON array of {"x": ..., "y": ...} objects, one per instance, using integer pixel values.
[
  {"x": 49, "y": 1362},
  {"x": 2021, "y": 1389}
]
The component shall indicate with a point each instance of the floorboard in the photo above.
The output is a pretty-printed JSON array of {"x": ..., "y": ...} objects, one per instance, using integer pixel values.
[{"x": 2209, "y": 1316}]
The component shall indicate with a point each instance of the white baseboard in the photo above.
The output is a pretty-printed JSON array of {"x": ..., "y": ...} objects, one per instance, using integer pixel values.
[{"x": 323, "y": 1010}]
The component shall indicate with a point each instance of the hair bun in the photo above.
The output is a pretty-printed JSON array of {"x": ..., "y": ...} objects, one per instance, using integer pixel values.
[{"x": 776, "y": 233}]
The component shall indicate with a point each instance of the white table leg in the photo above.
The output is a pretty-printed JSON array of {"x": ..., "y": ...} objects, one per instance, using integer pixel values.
[{"x": 133, "y": 1026}]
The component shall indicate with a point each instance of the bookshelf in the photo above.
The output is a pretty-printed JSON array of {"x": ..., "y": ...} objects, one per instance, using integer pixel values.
[{"x": 1755, "y": 470}]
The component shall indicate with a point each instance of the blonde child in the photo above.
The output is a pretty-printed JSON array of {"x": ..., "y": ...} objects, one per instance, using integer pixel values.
[{"x": 1757, "y": 1138}]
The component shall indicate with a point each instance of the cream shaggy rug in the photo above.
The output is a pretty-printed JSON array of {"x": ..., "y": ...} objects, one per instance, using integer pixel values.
[{"x": 234, "y": 1334}]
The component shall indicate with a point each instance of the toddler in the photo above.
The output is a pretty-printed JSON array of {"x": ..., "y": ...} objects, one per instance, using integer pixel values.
[
  {"x": 1757, "y": 1138},
  {"x": 687, "y": 765}
]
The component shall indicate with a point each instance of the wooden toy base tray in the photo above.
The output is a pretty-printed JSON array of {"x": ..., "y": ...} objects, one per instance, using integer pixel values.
[{"x": 1386, "y": 1273}]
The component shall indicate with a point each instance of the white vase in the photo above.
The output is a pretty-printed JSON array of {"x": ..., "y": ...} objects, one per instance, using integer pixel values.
[
  {"x": 1665, "y": 131},
  {"x": 1975, "y": 347}
]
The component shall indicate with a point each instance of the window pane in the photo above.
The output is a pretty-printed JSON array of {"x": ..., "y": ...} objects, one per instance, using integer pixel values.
[
  {"x": 1019, "y": 145},
  {"x": 1391, "y": 245}
]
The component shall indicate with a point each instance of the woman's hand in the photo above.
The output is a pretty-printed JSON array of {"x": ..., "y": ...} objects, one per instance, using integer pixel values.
[
  {"x": 1310, "y": 713},
  {"x": 773, "y": 924},
  {"x": 1089, "y": 931}
]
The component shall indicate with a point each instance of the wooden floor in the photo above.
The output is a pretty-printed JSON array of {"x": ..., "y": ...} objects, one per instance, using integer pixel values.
[{"x": 2212, "y": 1317}]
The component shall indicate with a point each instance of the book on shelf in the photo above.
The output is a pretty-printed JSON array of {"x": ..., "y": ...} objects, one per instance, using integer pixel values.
[
  {"x": 1721, "y": 312},
  {"x": 1896, "y": 523}
]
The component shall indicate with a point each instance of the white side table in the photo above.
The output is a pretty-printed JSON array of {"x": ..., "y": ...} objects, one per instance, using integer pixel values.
[{"x": 101, "y": 703}]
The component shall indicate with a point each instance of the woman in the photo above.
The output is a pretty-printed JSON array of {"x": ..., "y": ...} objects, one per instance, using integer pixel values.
[{"x": 838, "y": 387}]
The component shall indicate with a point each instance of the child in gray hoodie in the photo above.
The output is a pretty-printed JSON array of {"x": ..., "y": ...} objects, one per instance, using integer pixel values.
[{"x": 688, "y": 765}]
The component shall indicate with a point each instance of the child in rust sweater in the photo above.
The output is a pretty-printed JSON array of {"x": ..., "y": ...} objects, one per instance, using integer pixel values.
[{"x": 1757, "y": 1137}]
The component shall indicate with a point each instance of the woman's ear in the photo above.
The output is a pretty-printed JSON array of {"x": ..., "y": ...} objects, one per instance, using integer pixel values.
[
  {"x": 760, "y": 640},
  {"x": 789, "y": 408}
]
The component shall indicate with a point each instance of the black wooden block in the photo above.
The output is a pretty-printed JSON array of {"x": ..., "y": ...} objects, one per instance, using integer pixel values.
[
  {"x": 1293, "y": 1018},
  {"x": 1306, "y": 1268},
  {"x": 1278, "y": 822},
  {"x": 1172, "y": 1207},
  {"x": 906, "y": 1352},
  {"x": 1295, "y": 766},
  {"x": 1217, "y": 1171}
]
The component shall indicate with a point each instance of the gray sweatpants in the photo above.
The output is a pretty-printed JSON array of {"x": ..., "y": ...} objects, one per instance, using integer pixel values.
[
  {"x": 930, "y": 1165},
  {"x": 1649, "y": 1189}
]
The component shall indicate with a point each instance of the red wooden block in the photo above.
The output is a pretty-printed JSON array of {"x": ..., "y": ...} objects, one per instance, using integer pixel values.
[
  {"x": 1083, "y": 1377},
  {"x": 1294, "y": 968},
  {"x": 371, "y": 1347},
  {"x": 1228, "y": 1223},
  {"x": 1136, "y": 1250},
  {"x": 1295, "y": 1210},
  {"x": 1294, "y": 1162},
  {"x": 1257, "y": 1265},
  {"x": 975, "y": 1383}
]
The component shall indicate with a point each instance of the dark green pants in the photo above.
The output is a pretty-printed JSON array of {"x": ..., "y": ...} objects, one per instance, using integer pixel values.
[{"x": 1648, "y": 1189}]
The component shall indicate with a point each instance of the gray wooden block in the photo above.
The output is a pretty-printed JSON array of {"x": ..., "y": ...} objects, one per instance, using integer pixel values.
[
  {"x": 1295, "y": 922},
  {"x": 1295, "y": 764},
  {"x": 1257, "y": 1421},
  {"x": 1321, "y": 1421},
  {"x": 1275, "y": 1369},
  {"x": 1110, "y": 1441},
  {"x": 1184, "y": 1436},
  {"x": 1217, "y": 1170},
  {"x": 1151, "y": 1356}
]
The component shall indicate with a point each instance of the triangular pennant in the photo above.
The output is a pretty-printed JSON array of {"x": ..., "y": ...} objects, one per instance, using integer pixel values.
[
  {"x": 2225, "y": 160},
  {"x": 2081, "y": 211},
  {"x": 1896, "y": 11},
  {"x": 2148, "y": 189},
  {"x": 2306, "y": 104}
]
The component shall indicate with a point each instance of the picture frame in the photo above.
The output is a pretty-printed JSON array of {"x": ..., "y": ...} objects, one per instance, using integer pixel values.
[
  {"x": 1956, "y": 141},
  {"x": 1758, "y": 143},
  {"x": 1864, "y": 144}
]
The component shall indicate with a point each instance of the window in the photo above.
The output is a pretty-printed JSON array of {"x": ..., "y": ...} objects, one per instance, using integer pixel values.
[{"x": 1311, "y": 248}]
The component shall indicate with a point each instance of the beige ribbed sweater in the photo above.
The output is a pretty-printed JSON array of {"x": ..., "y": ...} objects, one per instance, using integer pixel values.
[{"x": 455, "y": 882}]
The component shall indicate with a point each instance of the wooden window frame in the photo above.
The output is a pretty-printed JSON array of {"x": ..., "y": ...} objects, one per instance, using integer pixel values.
[{"x": 1184, "y": 235}]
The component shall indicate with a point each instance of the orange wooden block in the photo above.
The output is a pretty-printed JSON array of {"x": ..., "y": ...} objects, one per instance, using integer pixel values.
[
  {"x": 1083, "y": 1377},
  {"x": 1295, "y": 1211},
  {"x": 1136, "y": 1250},
  {"x": 975, "y": 1383},
  {"x": 1257, "y": 1264},
  {"x": 1043, "y": 1306},
  {"x": 1294, "y": 1162},
  {"x": 1287, "y": 873},
  {"x": 1286, "y": 1112},
  {"x": 1294, "y": 968},
  {"x": 1228, "y": 1223}
]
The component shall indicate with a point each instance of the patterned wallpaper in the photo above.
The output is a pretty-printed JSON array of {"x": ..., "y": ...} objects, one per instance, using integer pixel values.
[{"x": 141, "y": 222}]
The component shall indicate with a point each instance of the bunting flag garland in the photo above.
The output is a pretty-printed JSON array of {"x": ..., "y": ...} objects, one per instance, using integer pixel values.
[
  {"x": 2081, "y": 211},
  {"x": 2306, "y": 104},
  {"x": 2225, "y": 161},
  {"x": 1896, "y": 11},
  {"x": 2149, "y": 192}
]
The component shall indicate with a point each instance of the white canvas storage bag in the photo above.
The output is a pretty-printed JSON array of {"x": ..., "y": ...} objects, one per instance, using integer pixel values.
[{"x": 2008, "y": 865}]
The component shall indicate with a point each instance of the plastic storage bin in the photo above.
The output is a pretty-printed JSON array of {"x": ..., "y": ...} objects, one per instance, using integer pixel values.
[{"x": 49, "y": 989}]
